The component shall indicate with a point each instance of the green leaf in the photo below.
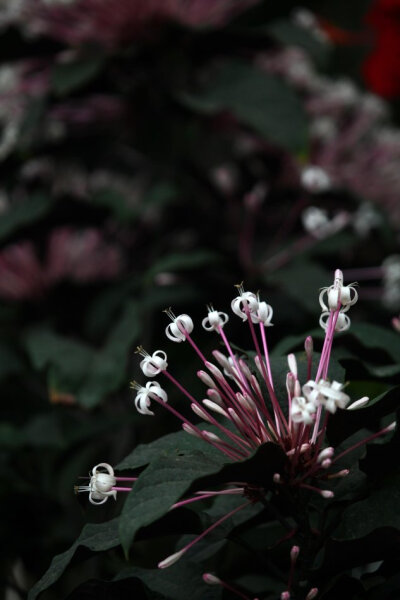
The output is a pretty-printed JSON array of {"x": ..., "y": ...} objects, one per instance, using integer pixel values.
[
  {"x": 67, "y": 77},
  {"x": 178, "y": 582},
  {"x": 10, "y": 363},
  {"x": 258, "y": 100},
  {"x": 380, "y": 509},
  {"x": 83, "y": 371},
  {"x": 96, "y": 537},
  {"x": 174, "y": 444},
  {"x": 373, "y": 336},
  {"x": 305, "y": 276},
  {"x": 182, "y": 262},
  {"x": 290, "y": 34},
  {"x": 21, "y": 214},
  {"x": 107, "y": 371},
  {"x": 293, "y": 341},
  {"x": 159, "y": 487}
]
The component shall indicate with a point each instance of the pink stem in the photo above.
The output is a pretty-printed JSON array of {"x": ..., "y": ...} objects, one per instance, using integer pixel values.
[
  {"x": 364, "y": 441},
  {"x": 266, "y": 353},
  {"x": 206, "y": 495},
  {"x": 275, "y": 403},
  {"x": 231, "y": 435},
  {"x": 214, "y": 525}
]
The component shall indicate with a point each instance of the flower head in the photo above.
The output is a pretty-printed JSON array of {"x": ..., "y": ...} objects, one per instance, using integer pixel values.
[
  {"x": 144, "y": 395},
  {"x": 101, "y": 484},
  {"x": 179, "y": 328}
]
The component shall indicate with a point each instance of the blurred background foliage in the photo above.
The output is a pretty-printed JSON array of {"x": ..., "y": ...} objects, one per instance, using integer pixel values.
[{"x": 153, "y": 155}]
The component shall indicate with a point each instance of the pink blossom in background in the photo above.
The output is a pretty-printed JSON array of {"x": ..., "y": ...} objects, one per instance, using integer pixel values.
[
  {"x": 21, "y": 275},
  {"x": 112, "y": 23},
  {"x": 352, "y": 142},
  {"x": 82, "y": 256}
]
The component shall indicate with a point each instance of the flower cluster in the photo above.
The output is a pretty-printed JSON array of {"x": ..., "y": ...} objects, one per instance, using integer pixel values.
[{"x": 245, "y": 412}]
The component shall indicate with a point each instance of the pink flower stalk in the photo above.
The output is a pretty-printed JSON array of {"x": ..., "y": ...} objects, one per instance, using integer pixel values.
[
  {"x": 112, "y": 24},
  {"x": 244, "y": 409},
  {"x": 81, "y": 256},
  {"x": 352, "y": 144},
  {"x": 211, "y": 579}
]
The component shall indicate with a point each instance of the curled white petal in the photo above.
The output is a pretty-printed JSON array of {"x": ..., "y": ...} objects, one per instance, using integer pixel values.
[
  {"x": 245, "y": 301},
  {"x": 263, "y": 314},
  {"x": 180, "y": 326},
  {"x": 214, "y": 320},
  {"x": 154, "y": 364},
  {"x": 144, "y": 395},
  {"x": 342, "y": 324}
]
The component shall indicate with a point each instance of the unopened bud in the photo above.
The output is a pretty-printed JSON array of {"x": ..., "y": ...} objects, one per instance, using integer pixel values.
[
  {"x": 290, "y": 381},
  {"x": 206, "y": 379},
  {"x": 326, "y": 453},
  {"x": 359, "y": 403},
  {"x": 294, "y": 553},
  {"x": 312, "y": 594},
  {"x": 191, "y": 430},
  {"x": 276, "y": 478},
  {"x": 326, "y": 463},
  {"x": 214, "y": 407},
  {"x": 342, "y": 473},
  {"x": 327, "y": 494},
  {"x": 292, "y": 362},
  {"x": 200, "y": 412},
  {"x": 211, "y": 579},
  {"x": 309, "y": 346},
  {"x": 170, "y": 560}
]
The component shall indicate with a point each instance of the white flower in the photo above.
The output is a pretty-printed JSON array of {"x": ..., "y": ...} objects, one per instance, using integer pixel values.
[
  {"x": 263, "y": 314},
  {"x": 181, "y": 324},
  {"x": 337, "y": 294},
  {"x": 144, "y": 395},
  {"x": 244, "y": 300},
  {"x": 302, "y": 410},
  {"x": 100, "y": 485},
  {"x": 317, "y": 223},
  {"x": 326, "y": 393},
  {"x": 214, "y": 320},
  {"x": 315, "y": 180},
  {"x": 154, "y": 364},
  {"x": 342, "y": 324}
]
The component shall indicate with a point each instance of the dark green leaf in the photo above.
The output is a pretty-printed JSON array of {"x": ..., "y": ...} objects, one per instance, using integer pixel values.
[
  {"x": 21, "y": 214},
  {"x": 290, "y": 34},
  {"x": 67, "y": 77},
  {"x": 174, "y": 444},
  {"x": 380, "y": 509},
  {"x": 182, "y": 262},
  {"x": 178, "y": 582},
  {"x": 373, "y": 336},
  {"x": 75, "y": 368},
  {"x": 159, "y": 487},
  {"x": 302, "y": 280},
  {"x": 96, "y": 537},
  {"x": 256, "y": 99}
]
